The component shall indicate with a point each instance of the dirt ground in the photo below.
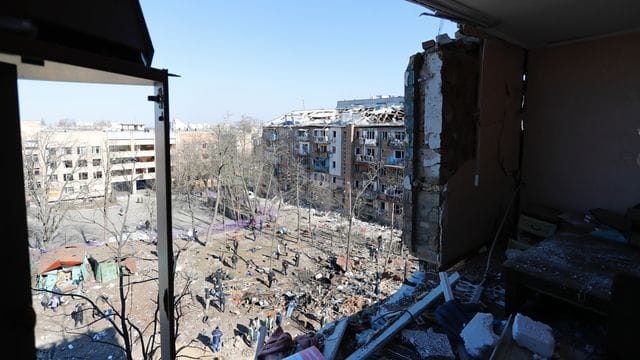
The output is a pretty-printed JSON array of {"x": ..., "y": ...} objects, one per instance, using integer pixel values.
[{"x": 317, "y": 286}]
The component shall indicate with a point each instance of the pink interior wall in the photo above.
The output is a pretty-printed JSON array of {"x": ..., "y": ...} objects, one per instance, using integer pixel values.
[{"x": 582, "y": 121}]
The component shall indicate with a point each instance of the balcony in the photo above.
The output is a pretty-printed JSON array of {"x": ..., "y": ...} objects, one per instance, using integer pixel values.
[
  {"x": 302, "y": 137},
  {"x": 396, "y": 143},
  {"x": 301, "y": 152},
  {"x": 321, "y": 139},
  {"x": 365, "y": 158},
  {"x": 369, "y": 142},
  {"x": 392, "y": 161},
  {"x": 320, "y": 166},
  {"x": 322, "y": 154},
  {"x": 370, "y": 195}
]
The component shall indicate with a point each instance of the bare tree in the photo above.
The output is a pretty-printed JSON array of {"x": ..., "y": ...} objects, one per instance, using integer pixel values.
[
  {"x": 355, "y": 203},
  {"x": 49, "y": 171}
]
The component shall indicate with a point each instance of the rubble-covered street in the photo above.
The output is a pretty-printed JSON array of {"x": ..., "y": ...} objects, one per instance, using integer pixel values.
[{"x": 323, "y": 291}]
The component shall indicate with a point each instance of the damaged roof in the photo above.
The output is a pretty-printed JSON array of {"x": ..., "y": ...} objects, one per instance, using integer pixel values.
[
  {"x": 357, "y": 115},
  {"x": 540, "y": 23}
]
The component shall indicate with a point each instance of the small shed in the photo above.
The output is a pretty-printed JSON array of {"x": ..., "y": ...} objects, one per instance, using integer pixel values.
[
  {"x": 103, "y": 260},
  {"x": 63, "y": 267}
]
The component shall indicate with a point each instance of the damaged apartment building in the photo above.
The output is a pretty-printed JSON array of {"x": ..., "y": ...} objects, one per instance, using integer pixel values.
[{"x": 357, "y": 147}]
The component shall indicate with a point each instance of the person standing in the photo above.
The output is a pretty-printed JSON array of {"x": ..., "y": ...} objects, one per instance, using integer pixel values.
[
  {"x": 269, "y": 322},
  {"x": 252, "y": 332},
  {"x": 261, "y": 225},
  {"x": 222, "y": 299},
  {"x": 207, "y": 301},
  {"x": 323, "y": 318},
  {"x": 278, "y": 319},
  {"x": 216, "y": 339},
  {"x": 234, "y": 260},
  {"x": 380, "y": 243},
  {"x": 291, "y": 307},
  {"x": 297, "y": 259},
  {"x": 235, "y": 245},
  {"x": 77, "y": 315},
  {"x": 271, "y": 276},
  {"x": 285, "y": 265}
]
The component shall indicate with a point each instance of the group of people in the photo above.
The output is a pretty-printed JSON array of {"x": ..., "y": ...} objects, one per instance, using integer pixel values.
[
  {"x": 211, "y": 294},
  {"x": 253, "y": 332}
]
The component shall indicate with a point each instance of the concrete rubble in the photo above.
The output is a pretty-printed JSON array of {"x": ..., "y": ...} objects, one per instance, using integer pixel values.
[
  {"x": 429, "y": 344},
  {"x": 533, "y": 335},
  {"x": 478, "y": 335}
]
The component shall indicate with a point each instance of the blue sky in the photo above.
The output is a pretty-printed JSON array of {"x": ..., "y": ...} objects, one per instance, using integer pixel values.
[{"x": 257, "y": 58}]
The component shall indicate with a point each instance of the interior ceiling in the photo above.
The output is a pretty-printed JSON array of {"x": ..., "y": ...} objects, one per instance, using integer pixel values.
[
  {"x": 55, "y": 71},
  {"x": 539, "y": 23}
]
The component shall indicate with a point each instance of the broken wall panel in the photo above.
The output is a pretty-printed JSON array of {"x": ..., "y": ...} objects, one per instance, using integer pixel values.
[
  {"x": 481, "y": 189},
  {"x": 465, "y": 145},
  {"x": 582, "y": 137}
]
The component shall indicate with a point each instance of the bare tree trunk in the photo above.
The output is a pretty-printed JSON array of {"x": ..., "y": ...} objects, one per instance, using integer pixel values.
[
  {"x": 215, "y": 211},
  {"x": 298, "y": 201},
  {"x": 309, "y": 220},
  {"x": 346, "y": 266},
  {"x": 266, "y": 196}
]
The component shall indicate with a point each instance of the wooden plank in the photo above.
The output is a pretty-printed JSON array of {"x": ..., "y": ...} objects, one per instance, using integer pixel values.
[{"x": 332, "y": 343}]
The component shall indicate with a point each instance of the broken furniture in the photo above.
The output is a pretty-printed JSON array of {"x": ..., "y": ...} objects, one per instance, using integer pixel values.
[{"x": 576, "y": 269}]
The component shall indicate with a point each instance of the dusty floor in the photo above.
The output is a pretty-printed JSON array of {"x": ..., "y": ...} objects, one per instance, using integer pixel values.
[{"x": 337, "y": 293}]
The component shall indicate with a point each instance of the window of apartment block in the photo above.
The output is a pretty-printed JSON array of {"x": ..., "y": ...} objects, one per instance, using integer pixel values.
[
  {"x": 68, "y": 164},
  {"x": 371, "y": 134},
  {"x": 399, "y": 135},
  {"x": 119, "y": 148},
  {"x": 356, "y": 184},
  {"x": 333, "y": 149},
  {"x": 82, "y": 163},
  {"x": 53, "y": 177},
  {"x": 335, "y": 133},
  {"x": 67, "y": 177},
  {"x": 84, "y": 188},
  {"x": 51, "y": 151},
  {"x": 204, "y": 145},
  {"x": 333, "y": 164},
  {"x": 97, "y": 174},
  {"x": 383, "y": 205},
  {"x": 68, "y": 151},
  {"x": 385, "y": 135},
  {"x": 83, "y": 176},
  {"x": 38, "y": 185},
  {"x": 357, "y": 151},
  {"x": 333, "y": 179},
  {"x": 97, "y": 162},
  {"x": 95, "y": 149},
  {"x": 371, "y": 152},
  {"x": 399, "y": 154},
  {"x": 151, "y": 170},
  {"x": 68, "y": 190},
  {"x": 358, "y": 134},
  {"x": 36, "y": 171},
  {"x": 81, "y": 150}
]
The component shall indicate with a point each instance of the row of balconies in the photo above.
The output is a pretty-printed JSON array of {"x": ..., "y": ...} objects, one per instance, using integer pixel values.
[{"x": 365, "y": 158}]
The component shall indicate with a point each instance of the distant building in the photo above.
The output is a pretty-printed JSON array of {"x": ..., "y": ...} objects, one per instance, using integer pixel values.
[
  {"x": 340, "y": 147},
  {"x": 72, "y": 164}
]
